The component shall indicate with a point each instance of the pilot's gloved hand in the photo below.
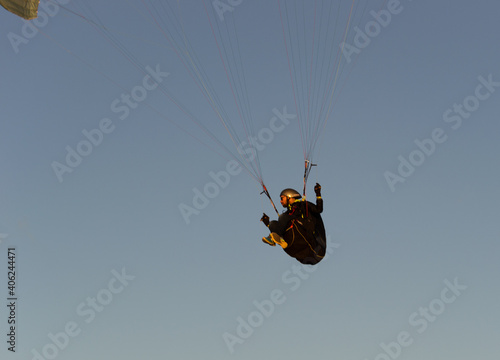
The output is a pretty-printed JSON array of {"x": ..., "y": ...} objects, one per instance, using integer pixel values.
[
  {"x": 317, "y": 190},
  {"x": 265, "y": 219}
]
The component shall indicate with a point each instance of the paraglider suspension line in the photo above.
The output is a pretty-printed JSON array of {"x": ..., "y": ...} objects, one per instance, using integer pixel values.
[
  {"x": 264, "y": 191},
  {"x": 307, "y": 169}
]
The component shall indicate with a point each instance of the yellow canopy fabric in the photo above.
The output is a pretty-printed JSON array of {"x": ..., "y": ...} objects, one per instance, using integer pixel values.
[{"x": 27, "y": 9}]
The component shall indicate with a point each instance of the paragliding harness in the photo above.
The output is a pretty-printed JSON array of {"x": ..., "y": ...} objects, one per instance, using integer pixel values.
[{"x": 305, "y": 236}]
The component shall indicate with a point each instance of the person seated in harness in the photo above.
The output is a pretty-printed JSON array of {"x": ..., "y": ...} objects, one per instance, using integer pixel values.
[{"x": 299, "y": 230}]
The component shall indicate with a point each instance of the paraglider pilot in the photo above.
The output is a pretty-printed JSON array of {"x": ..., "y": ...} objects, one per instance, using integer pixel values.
[{"x": 299, "y": 230}]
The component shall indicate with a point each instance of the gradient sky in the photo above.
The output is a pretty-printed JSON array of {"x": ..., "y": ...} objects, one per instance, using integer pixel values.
[{"x": 433, "y": 71}]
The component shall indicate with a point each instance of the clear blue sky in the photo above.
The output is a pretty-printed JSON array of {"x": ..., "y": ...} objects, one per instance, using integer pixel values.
[{"x": 413, "y": 265}]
